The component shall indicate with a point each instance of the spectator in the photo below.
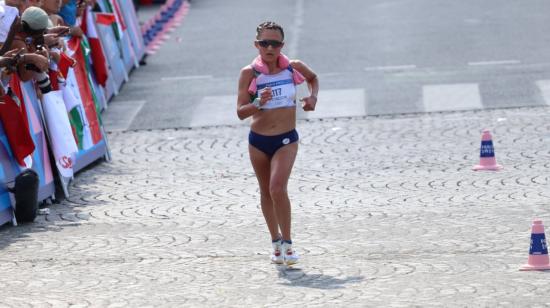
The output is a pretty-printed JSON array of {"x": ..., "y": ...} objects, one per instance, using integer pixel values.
[
  {"x": 30, "y": 38},
  {"x": 69, "y": 13}
]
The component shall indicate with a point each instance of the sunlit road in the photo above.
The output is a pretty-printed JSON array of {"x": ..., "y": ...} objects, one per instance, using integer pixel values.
[{"x": 373, "y": 57}]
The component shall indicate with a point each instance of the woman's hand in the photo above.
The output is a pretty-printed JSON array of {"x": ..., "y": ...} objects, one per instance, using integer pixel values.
[
  {"x": 14, "y": 52},
  {"x": 52, "y": 40},
  {"x": 37, "y": 60},
  {"x": 59, "y": 30},
  {"x": 308, "y": 103},
  {"x": 265, "y": 96},
  {"x": 43, "y": 52},
  {"x": 6, "y": 61},
  {"x": 55, "y": 56},
  {"x": 76, "y": 31},
  {"x": 9, "y": 59}
]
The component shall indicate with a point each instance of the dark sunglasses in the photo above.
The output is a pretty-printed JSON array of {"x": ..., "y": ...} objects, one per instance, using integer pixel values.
[{"x": 266, "y": 43}]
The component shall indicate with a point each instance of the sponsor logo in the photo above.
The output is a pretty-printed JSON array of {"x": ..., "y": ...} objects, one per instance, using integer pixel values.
[{"x": 66, "y": 162}]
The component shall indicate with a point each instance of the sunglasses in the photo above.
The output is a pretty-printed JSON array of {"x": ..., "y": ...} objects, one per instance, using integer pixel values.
[{"x": 266, "y": 43}]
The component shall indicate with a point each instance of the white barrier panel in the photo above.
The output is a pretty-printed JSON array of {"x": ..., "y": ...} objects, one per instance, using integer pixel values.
[
  {"x": 118, "y": 73},
  {"x": 84, "y": 110},
  {"x": 41, "y": 156},
  {"x": 132, "y": 27},
  {"x": 8, "y": 171}
]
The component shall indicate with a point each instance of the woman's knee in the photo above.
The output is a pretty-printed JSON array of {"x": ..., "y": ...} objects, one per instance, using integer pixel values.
[
  {"x": 277, "y": 191},
  {"x": 265, "y": 195}
]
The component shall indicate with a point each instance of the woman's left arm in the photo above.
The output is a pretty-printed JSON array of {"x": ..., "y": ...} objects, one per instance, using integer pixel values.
[{"x": 308, "y": 103}]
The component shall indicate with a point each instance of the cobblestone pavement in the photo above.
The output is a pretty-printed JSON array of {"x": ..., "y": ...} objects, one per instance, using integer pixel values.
[{"x": 386, "y": 210}]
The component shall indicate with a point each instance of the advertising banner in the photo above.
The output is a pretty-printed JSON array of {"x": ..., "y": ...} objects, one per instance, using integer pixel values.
[{"x": 41, "y": 156}]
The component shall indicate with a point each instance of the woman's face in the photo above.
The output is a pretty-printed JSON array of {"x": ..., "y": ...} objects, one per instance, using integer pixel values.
[
  {"x": 51, "y": 6},
  {"x": 269, "y": 44}
]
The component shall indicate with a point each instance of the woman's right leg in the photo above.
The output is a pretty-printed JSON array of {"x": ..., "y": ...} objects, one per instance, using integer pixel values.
[{"x": 262, "y": 167}]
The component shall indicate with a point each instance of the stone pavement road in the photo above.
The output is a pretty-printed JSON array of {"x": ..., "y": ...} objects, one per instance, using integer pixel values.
[{"x": 386, "y": 211}]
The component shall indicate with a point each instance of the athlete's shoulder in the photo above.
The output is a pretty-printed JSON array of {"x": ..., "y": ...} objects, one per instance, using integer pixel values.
[
  {"x": 247, "y": 72},
  {"x": 246, "y": 75},
  {"x": 247, "y": 69},
  {"x": 303, "y": 69},
  {"x": 298, "y": 65}
]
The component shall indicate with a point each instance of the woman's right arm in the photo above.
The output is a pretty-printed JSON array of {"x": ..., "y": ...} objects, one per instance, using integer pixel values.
[{"x": 244, "y": 108}]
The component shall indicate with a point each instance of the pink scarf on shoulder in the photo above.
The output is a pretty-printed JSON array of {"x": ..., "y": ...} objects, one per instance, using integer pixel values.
[{"x": 283, "y": 62}]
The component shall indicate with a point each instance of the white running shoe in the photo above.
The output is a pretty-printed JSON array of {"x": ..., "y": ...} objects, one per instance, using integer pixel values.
[
  {"x": 277, "y": 255},
  {"x": 290, "y": 256}
]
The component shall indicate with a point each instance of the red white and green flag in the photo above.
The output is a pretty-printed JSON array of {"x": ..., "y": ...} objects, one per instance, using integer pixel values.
[
  {"x": 99, "y": 64},
  {"x": 77, "y": 82}
]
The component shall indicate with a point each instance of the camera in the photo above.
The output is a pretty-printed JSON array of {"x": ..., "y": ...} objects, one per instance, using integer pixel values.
[
  {"x": 43, "y": 82},
  {"x": 32, "y": 67}
]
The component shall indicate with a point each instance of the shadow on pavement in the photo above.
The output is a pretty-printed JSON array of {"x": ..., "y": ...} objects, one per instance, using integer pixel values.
[
  {"x": 63, "y": 213},
  {"x": 298, "y": 278},
  {"x": 10, "y": 234}
]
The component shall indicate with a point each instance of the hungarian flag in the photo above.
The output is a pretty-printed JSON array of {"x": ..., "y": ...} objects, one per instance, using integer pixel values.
[
  {"x": 16, "y": 125},
  {"x": 65, "y": 62},
  {"x": 106, "y": 19},
  {"x": 119, "y": 17},
  {"x": 94, "y": 87},
  {"x": 112, "y": 8},
  {"x": 99, "y": 64},
  {"x": 86, "y": 95}
]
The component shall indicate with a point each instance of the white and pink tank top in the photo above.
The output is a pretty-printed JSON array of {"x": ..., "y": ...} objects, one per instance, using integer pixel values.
[{"x": 282, "y": 86}]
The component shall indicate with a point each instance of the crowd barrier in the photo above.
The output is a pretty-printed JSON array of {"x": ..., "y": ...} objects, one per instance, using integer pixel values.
[
  {"x": 134, "y": 30},
  {"x": 65, "y": 124}
]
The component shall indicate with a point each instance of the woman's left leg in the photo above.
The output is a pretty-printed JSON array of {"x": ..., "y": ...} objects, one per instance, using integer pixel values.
[{"x": 281, "y": 167}]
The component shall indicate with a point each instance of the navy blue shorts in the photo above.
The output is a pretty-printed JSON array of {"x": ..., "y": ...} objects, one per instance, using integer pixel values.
[{"x": 270, "y": 144}]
